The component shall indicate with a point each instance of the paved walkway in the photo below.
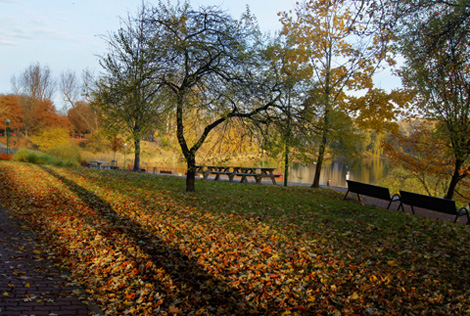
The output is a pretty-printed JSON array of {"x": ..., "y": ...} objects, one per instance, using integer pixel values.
[
  {"x": 372, "y": 201},
  {"x": 418, "y": 210},
  {"x": 29, "y": 282}
]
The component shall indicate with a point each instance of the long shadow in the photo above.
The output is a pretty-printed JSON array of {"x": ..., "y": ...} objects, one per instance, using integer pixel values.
[{"x": 185, "y": 272}]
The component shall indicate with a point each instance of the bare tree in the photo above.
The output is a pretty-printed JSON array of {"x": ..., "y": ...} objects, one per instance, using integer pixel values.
[
  {"x": 35, "y": 86},
  {"x": 35, "y": 82},
  {"x": 74, "y": 92}
]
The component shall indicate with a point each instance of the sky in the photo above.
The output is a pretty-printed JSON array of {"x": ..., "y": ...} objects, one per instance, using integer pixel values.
[{"x": 67, "y": 34}]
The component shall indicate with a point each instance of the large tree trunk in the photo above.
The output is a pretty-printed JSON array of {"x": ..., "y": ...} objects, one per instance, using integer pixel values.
[
  {"x": 191, "y": 174},
  {"x": 321, "y": 151},
  {"x": 321, "y": 154},
  {"x": 137, "y": 155},
  {"x": 455, "y": 179}
]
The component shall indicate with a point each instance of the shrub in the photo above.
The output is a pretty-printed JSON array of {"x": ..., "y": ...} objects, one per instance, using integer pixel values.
[
  {"x": 66, "y": 151},
  {"x": 98, "y": 142},
  {"x": 44, "y": 159},
  {"x": 6, "y": 157},
  {"x": 32, "y": 157},
  {"x": 51, "y": 137}
]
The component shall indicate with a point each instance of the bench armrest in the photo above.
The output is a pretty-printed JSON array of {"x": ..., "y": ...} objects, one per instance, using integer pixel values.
[
  {"x": 395, "y": 197},
  {"x": 463, "y": 211}
]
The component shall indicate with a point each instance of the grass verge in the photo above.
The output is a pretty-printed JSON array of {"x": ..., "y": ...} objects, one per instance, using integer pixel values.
[{"x": 141, "y": 245}]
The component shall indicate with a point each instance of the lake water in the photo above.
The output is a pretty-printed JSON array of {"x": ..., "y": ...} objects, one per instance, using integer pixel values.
[
  {"x": 367, "y": 170},
  {"x": 370, "y": 171}
]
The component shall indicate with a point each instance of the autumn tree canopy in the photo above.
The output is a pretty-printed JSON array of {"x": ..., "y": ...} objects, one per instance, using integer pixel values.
[
  {"x": 34, "y": 90},
  {"x": 208, "y": 62},
  {"x": 10, "y": 108},
  {"x": 434, "y": 38},
  {"x": 74, "y": 91},
  {"x": 128, "y": 94},
  {"x": 332, "y": 40}
]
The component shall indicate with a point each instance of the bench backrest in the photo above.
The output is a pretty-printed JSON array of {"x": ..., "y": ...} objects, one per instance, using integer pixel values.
[
  {"x": 429, "y": 202},
  {"x": 369, "y": 189}
]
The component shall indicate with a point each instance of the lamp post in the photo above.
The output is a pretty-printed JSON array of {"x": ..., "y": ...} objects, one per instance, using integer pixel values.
[
  {"x": 125, "y": 151},
  {"x": 8, "y": 136}
]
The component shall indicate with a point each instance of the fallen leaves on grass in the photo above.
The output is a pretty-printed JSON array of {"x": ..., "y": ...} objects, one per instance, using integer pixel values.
[{"x": 141, "y": 246}]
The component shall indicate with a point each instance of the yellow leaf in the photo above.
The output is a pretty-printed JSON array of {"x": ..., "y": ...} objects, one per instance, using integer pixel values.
[
  {"x": 354, "y": 296},
  {"x": 6, "y": 294}
]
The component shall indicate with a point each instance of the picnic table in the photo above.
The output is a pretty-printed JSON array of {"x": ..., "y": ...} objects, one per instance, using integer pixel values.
[
  {"x": 98, "y": 163},
  {"x": 258, "y": 173}
]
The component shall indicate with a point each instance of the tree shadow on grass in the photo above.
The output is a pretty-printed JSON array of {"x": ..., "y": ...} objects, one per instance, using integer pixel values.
[{"x": 189, "y": 277}]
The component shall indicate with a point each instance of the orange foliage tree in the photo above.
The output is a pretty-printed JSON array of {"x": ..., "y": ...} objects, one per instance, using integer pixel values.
[
  {"x": 82, "y": 117},
  {"x": 10, "y": 108},
  {"x": 46, "y": 115}
]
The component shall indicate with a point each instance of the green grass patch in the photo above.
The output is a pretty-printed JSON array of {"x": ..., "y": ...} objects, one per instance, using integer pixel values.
[
  {"x": 52, "y": 158},
  {"x": 142, "y": 245}
]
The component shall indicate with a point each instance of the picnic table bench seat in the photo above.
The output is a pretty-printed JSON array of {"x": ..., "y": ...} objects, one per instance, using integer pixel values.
[
  {"x": 432, "y": 203},
  {"x": 230, "y": 174},
  {"x": 372, "y": 191}
]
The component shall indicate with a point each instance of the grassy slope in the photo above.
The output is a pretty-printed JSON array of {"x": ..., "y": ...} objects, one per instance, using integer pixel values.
[{"x": 140, "y": 244}]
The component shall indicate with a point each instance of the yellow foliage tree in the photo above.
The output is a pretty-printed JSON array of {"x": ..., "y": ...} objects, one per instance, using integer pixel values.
[
  {"x": 330, "y": 38},
  {"x": 51, "y": 137},
  {"x": 423, "y": 155}
]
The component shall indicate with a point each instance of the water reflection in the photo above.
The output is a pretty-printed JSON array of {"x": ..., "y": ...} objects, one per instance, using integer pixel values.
[{"x": 337, "y": 171}]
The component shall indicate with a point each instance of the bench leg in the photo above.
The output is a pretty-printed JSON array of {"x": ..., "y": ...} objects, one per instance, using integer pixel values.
[
  {"x": 460, "y": 214},
  {"x": 401, "y": 206},
  {"x": 390, "y": 204},
  {"x": 258, "y": 179},
  {"x": 274, "y": 180},
  {"x": 358, "y": 197}
]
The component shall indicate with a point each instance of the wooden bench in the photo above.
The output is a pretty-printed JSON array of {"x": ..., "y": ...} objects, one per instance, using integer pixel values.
[
  {"x": 230, "y": 174},
  {"x": 155, "y": 170},
  {"x": 432, "y": 203},
  {"x": 273, "y": 177},
  {"x": 245, "y": 176},
  {"x": 372, "y": 191}
]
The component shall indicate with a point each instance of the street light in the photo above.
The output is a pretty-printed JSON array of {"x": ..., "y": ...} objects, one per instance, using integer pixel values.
[
  {"x": 125, "y": 151},
  {"x": 8, "y": 136}
]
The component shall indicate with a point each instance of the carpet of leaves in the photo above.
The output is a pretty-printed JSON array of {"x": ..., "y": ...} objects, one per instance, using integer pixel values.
[{"x": 140, "y": 245}]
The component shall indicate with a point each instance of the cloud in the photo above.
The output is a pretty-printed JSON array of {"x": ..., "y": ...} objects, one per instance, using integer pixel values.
[
  {"x": 5, "y": 42},
  {"x": 31, "y": 28}
]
